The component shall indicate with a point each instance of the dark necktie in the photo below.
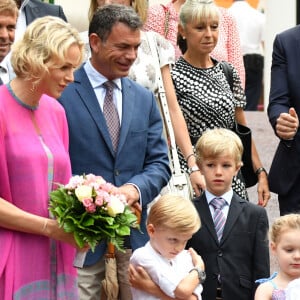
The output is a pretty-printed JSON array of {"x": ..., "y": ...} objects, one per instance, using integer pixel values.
[
  {"x": 111, "y": 114},
  {"x": 218, "y": 217}
]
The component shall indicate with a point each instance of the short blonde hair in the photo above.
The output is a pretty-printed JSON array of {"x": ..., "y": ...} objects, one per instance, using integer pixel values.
[
  {"x": 45, "y": 40},
  {"x": 9, "y": 7},
  {"x": 283, "y": 224},
  {"x": 140, "y": 7},
  {"x": 217, "y": 142},
  {"x": 198, "y": 10},
  {"x": 174, "y": 212}
]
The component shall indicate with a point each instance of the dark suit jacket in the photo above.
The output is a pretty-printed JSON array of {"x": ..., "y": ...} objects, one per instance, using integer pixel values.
[
  {"x": 241, "y": 257},
  {"x": 142, "y": 156},
  {"x": 37, "y": 9},
  {"x": 285, "y": 93}
]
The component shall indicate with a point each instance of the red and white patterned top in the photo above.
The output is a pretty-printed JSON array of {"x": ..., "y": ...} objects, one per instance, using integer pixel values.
[{"x": 227, "y": 49}]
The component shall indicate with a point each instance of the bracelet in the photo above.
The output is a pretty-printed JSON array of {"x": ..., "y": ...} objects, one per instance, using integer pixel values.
[
  {"x": 261, "y": 169},
  {"x": 45, "y": 225},
  {"x": 189, "y": 156}
]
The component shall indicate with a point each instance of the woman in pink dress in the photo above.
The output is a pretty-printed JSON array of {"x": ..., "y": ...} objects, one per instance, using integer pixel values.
[
  {"x": 36, "y": 260},
  {"x": 164, "y": 20}
]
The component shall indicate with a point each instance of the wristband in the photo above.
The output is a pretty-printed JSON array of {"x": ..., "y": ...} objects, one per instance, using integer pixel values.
[
  {"x": 188, "y": 157},
  {"x": 259, "y": 170}
]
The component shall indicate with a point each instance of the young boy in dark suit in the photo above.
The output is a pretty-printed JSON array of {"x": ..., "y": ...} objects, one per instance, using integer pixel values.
[{"x": 235, "y": 250}]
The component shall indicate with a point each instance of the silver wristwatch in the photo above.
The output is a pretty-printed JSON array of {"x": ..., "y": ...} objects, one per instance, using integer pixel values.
[
  {"x": 201, "y": 274},
  {"x": 193, "y": 169}
]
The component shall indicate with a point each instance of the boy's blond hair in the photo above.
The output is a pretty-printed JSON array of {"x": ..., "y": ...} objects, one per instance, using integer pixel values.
[
  {"x": 283, "y": 224},
  {"x": 218, "y": 142},
  {"x": 173, "y": 212}
]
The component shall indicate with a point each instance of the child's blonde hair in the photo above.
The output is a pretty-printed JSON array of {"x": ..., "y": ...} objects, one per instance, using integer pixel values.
[
  {"x": 173, "y": 212},
  {"x": 217, "y": 142},
  {"x": 282, "y": 224}
]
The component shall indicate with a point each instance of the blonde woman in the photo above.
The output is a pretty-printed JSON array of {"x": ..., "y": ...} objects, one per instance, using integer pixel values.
[{"x": 36, "y": 254}]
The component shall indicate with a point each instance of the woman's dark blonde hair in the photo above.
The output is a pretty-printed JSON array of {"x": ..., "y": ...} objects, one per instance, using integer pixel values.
[
  {"x": 45, "y": 40},
  {"x": 140, "y": 7},
  {"x": 173, "y": 212},
  {"x": 283, "y": 224}
]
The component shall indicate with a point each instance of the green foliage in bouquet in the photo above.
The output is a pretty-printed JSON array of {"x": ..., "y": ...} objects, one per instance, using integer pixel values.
[{"x": 88, "y": 207}]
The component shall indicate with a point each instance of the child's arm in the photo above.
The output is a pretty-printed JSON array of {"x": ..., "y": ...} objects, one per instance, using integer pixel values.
[
  {"x": 140, "y": 280},
  {"x": 187, "y": 285},
  {"x": 264, "y": 291}
]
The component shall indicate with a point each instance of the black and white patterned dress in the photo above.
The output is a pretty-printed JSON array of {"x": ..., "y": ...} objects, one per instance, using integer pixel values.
[{"x": 207, "y": 102}]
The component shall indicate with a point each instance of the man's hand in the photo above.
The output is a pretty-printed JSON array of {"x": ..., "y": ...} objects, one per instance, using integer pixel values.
[
  {"x": 132, "y": 196},
  {"x": 287, "y": 125}
]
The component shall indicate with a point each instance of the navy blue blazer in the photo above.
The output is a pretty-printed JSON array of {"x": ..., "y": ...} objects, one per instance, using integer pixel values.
[
  {"x": 285, "y": 93},
  {"x": 37, "y": 9},
  {"x": 142, "y": 154},
  {"x": 241, "y": 257}
]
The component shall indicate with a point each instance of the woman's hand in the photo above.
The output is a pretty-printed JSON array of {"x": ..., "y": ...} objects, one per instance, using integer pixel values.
[
  {"x": 263, "y": 190},
  {"x": 52, "y": 230},
  {"x": 198, "y": 182}
]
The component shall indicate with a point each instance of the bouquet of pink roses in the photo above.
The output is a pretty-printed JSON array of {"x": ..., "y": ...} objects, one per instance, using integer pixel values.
[{"x": 89, "y": 207}]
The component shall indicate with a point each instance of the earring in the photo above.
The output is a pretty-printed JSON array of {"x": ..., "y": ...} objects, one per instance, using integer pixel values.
[
  {"x": 33, "y": 88},
  {"x": 183, "y": 37}
]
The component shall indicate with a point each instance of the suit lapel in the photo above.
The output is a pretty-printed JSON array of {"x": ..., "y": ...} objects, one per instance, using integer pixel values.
[
  {"x": 88, "y": 97},
  {"x": 235, "y": 209},
  {"x": 206, "y": 217}
]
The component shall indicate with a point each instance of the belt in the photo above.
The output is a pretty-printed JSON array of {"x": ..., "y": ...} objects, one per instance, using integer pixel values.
[{"x": 219, "y": 294}]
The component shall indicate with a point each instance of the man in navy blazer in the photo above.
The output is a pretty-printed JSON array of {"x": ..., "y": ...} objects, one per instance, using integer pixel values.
[
  {"x": 139, "y": 166},
  {"x": 283, "y": 111}
]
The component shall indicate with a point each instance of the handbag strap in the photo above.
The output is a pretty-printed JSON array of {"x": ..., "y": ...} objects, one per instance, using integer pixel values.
[
  {"x": 227, "y": 70},
  {"x": 164, "y": 105}
]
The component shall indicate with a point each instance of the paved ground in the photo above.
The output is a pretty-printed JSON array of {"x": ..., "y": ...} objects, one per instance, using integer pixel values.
[{"x": 266, "y": 144}]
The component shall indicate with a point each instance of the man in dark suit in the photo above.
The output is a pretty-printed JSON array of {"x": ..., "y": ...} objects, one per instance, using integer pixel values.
[
  {"x": 139, "y": 164},
  {"x": 32, "y": 9},
  {"x": 283, "y": 111}
]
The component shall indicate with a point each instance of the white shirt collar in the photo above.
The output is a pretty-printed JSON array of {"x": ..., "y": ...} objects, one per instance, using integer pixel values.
[
  {"x": 227, "y": 196},
  {"x": 96, "y": 78}
]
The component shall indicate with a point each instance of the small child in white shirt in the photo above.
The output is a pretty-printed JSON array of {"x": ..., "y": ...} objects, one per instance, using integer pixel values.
[{"x": 178, "y": 273}]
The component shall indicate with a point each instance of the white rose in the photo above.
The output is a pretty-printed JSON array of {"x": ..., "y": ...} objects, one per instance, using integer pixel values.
[
  {"x": 115, "y": 206},
  {"x": 83, "y": 192}
]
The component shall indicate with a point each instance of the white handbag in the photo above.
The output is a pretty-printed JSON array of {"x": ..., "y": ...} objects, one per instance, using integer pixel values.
[{"x": 180, "y": 182}]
